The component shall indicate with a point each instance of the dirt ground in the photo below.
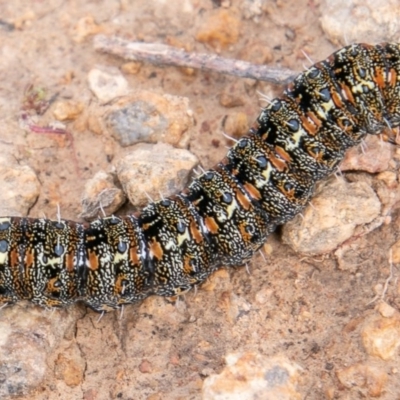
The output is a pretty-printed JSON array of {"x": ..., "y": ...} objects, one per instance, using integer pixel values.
[{"x": 304, "y": 308}]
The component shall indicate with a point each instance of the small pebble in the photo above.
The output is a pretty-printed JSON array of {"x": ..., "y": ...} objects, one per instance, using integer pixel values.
[
  {"x": 386, "y": 310},
  {"x": 70, "y": 368},
  {"x": 145, "y": 367},
  {"x": 67, "y": 110},
  {"x": 132, "y": 67},
  {"x": 220, "y": 30},
  {"x": 85, "y": 27},
  {"x": 236, "y": 124},
  {"x": 154, "y": 171},
  {"x": 249, "y": 376},
  {"x": 107, "y": 84},
  {"x": 381, "y": 336},
  {"x": 395, "y": 249},
  {"x": 363, "y": 377},
  {"x": 101, "y": 195}
]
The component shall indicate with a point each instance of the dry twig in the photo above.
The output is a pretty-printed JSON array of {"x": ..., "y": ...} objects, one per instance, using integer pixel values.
[{"x": 161, "y": 54}]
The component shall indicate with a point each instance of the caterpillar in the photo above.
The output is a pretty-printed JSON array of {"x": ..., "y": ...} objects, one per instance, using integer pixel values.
[{"x": 225, "y": 215}]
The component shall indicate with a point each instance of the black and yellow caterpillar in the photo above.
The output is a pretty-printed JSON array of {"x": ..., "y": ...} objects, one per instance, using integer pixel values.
[{"x": 226, "y": 214}]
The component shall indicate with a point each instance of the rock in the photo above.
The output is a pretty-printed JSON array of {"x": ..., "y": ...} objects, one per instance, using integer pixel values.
[
  {"x": 220, "y": 30},
  {"x": 232, "y": 306},
  {"x": 13, "y": 200},
  {"x": 387, "y": 189},
  {"x": 252, "y": 9},
  {"x": 219, "y": 281},
  {"x": 236, "y": 125},
  {"x": 389, "y": 178},
  {"x": 381, "y": 336},
  {"x": 25, "y": 20},
  {"x": 154, "y": 170},
  {"x": 332, "y": 218},
  {"x": 93, "y": 120},
  {"x": 67, "y": 110},
  {"x": 107, "y": 83},
  {"x": 33, "y": 334},
  {"x": 363, "y": 377},
  {"x": 386, "y": 310},
  {"x": 290, "y": 34},
  {"x": 263, "y": 296},
  {"x": 70, "y": 366},
  {"x": 145, "y": 367},
  {"x": 348, "y": 253},
  {"x": 101, "y": 193},
  {"x": 90, "y": 394},
  {"x": 372, "y": 156},
  {"x": 150, "y": 117},
  {"x": 360, "y": 21},
  {"x": 85, "y": 27},
  {"x": 132, "y": 67},
  {"x": 396, "y": 252},
  {"x": 253, "y": 376}
]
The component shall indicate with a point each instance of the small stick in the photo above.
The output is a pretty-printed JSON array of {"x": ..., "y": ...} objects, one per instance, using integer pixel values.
[{"x": 161, "y": 54}]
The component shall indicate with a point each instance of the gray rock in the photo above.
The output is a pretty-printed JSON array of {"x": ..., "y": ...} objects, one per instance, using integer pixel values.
[{"x": 149, "y": 117}]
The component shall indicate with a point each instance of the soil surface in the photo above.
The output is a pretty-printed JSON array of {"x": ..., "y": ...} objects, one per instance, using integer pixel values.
[{"x": 302, "y": 307}]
